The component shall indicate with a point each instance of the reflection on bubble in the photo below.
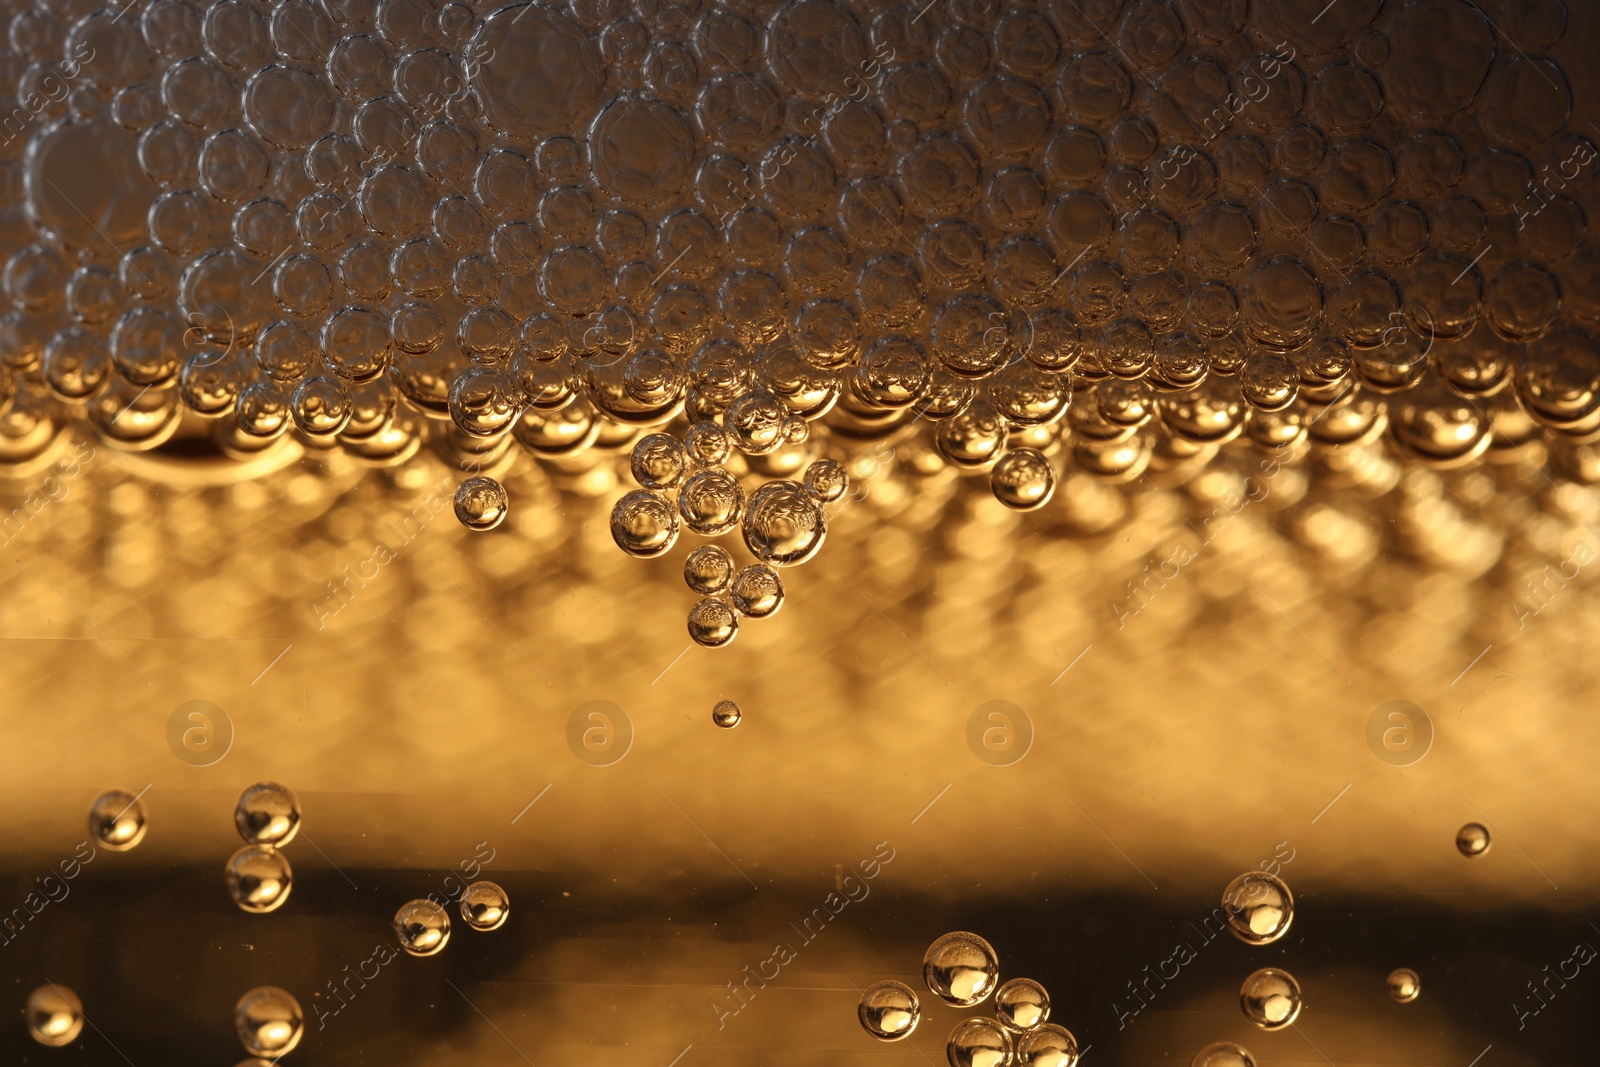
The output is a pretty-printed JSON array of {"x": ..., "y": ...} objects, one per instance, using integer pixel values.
[
  {"x": 1270, "y": 998},
  {"x": 1472, "y": 840},
  {"x": 1259, "y": 907},
  {"x": 961, "y": 969},
  {"x": 55, "y": 1015},
  {"x": 1047, "y": 1045},
  {"x": 117, "y": 820},
  {"x": 259, "y": 879},
  {"x": 979, "y": 1042},
  {"x": 1021, "y": 1004},
  {"x": 268, "y": 1021},
  {"x": 1404, "y": 985},
  {"x": 889, "y": 1010},
  {"x": 485, "y": 906},
  {"x": 726, "y": 714},
  {"x": 422, "y": 927},
  {"x": 267, "y": 814}
]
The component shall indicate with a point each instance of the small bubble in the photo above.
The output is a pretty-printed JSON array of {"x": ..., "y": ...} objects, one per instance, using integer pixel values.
[
  {"x": 713, "y": 623},
  {"x": 658, "y": 461},
  {"x": 783, "y": 525},
  {"x": 55, "y": 1015},
  {"x": 826, "y": 480},
  {"x": 1404, "y": 985},
  {"x": 422, "y": 927},
  {"x": 708, "y": 570},
  {"x": 485, "y": 906},
  {"x": 711, "y": 501},
  {"x": 757, "y": 591},
  {"x": 889, "y": 1010},
  {"x": 1021, "y": 1004},
  {"x": 259, "y": 879},
  {"x": 1259, "y": 907},
  {"x": 1270, "y": 998},
  {"x": 481, "y": 503},
  {"x": 644, "y": 523},
  {"x": 1023, "y": 480},
  {"x": 727, "y": 715},
  {"x": 1472, "y": 840},
  {"x": 267, "y": 814},
  {"x": 1049, "y": 1045},
  {"x": 1223, "y": 1054},
  {"x": 961, "y": 969},
  {"x": 117, "y": 820},
  {"x": 268, "y": 1021},
  {"x": 979, "y": 1042}
]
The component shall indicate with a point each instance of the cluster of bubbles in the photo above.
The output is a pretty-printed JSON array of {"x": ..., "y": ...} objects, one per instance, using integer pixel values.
[
  {"x": 422, "y": 926},
  {"x": 1102, "y": 237},
  {"x": 963, "y": 969}
]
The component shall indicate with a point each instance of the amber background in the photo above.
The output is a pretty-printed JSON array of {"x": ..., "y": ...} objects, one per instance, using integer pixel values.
[{"x": 1175, "y": 753}]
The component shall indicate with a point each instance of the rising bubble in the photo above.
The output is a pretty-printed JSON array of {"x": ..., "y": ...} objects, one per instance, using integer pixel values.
[
  {"x": 1259, "y": 907},
  {"x": 267, "y": 814},
  {"x": 1270, "y": 998},
  {"x": 485, "y": 906},
  {"x": 481, "y": 503},
  {"x": 422, "y": 927},
  {"x": 1472, "y": 840},
  {"x": 268, "y": 1021},
  {"x": 117, "y": 820},
  {"x": 1047, "y": 1045},
  {"x": 55, "y": 1015},
  {"x": 727, "y": 715},
  {"x": 259, "y": 879},
  {"x": 961, "y": 969},
  {"x": 889, "y": 1010},
  {"x": 979, "y": 1042},
  {"x": 1223, "y": 1054},
  {"x": 1404, "y": 985}
]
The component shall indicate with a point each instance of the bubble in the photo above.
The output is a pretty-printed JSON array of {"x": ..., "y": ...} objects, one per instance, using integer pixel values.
[
  {"x": 1021, "y": 1004},
  {"x": 757, "y": 591},
  {"x": 712, "y": 623},
  {"x": 1472, "y": 840},
  {"x": 1259, "y": 907},
  {"x": 484, "y": 906},
  {"x": 1270, "y": 998},
  {"x": 481, "y": 503},
  {"x": 961, "y": 969},
  {"x": 268, "y": 1021},
  {"x": 708, "y": 569},
  {"x": 726, "y": 714},
  {"x": 117, "y": 820},
  {"x": 1404, "y": 985},
  {"x": 259, "y": 879},
  {"x": 711, "y": 501},
  {"x": 658, "y": 461},
  {"x": 267, "y": 814},
  {"x": 422, "y": 927},
  {"x": 644, "y": 523},
  {"x": 55, "y": 1015},
  {"x": 979, "y": 1042},
  {"x": 826, "y": 480},
  {"x": 1047, "y": 1045},
  {"x": 889, "y": 1010},
  {"x": 782, "y": 525},
  {"x": 1023, "y": 479},
  {"x": 1223, "y": 1054}
]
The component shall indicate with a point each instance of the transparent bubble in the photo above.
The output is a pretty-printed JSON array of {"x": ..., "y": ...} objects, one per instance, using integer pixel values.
[
  {"x": 658, "y": 461},
  {"x": 979, "y": 1042},
  {"x": 481, "y": 503},
  {"x": 1047, "y": 1045},
  {"x": 757, "y": 591},
  {"x": 1023, "y": 479},
  {"x": 713, "y": 623},
  {"x": 782, "y": 525},
  {"x": 1472, "y": 840},
  {"x": 268, "y": 1021},
  {"x": 267, "y": 814},
  {"x": 644, "y": 523},
  {"x": 889, "y": 1010},
  {"x": 961, "y": 969},
  {"x": 1259, "y": 907},
  {"x": 259, "y": 879},
  {"x": 1270, "y": 998},
  {"x": 726, "y": 714},
  {"x": 708, "y": 569},
  {"x": 1404, "y": 985},
  {"x": 1223, "y": 1054},
  {"x": 1021, "y": 1004},
  {"x": 55, "y": 1015},
  {"x": 826, "y": 480},
  {"x": 117, "y": 820},
  {"x": 485, "y": 906},
  {"x": 422, "y": 927}
]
